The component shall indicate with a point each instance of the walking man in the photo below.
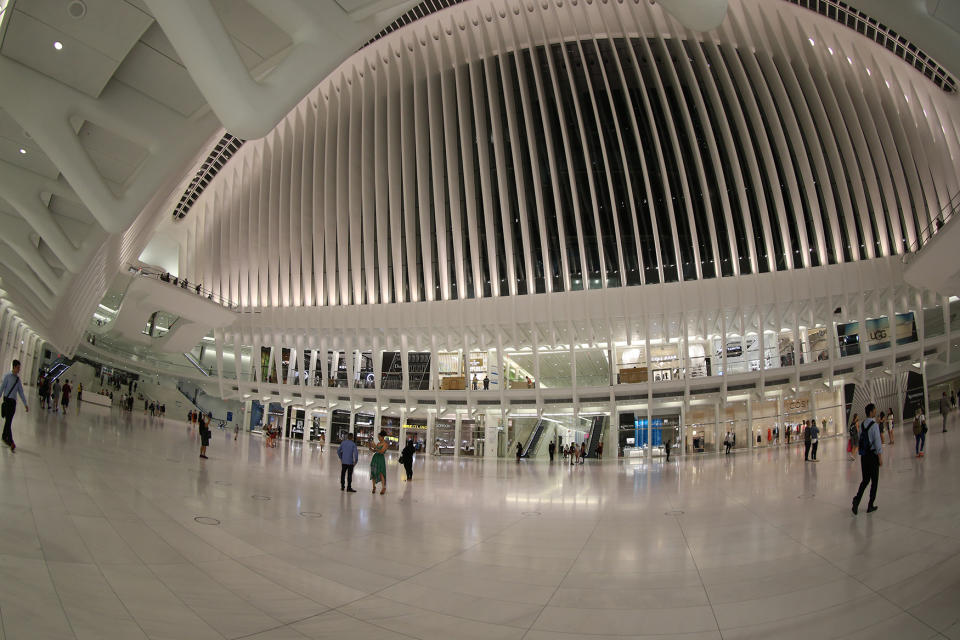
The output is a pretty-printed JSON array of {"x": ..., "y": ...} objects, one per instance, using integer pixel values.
[
  {"x": 348, "y": 454},
  {"x": 871, "y": 459},
  {"x": 552, "y": 449},
  {"x": 944, "y": 410},
  {"x": 11, "y": 384},
  {"x": 406, "y": 459}
]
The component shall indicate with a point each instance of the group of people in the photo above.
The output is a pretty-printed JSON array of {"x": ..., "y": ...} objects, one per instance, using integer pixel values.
[
  {"x": 886, "y": 421},
  {"x": 475, "y": 382},
  {"x": 55, "y": 396},
  {"x": 349, "y": 455},
  {"x": 575, "y": 452},
  {"x": 155, "y": 409}
]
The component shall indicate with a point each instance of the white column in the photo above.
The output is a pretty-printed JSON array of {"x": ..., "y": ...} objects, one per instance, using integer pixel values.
[
  {"x": 431, "y": 437},
  {"x": 405, "y": 364},
  {"x": 716, "y": 409},
  {"x": 490, "y": 429},
  {"x": 458, "y": 423}
]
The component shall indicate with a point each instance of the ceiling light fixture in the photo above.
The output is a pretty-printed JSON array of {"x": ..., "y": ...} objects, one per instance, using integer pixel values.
[
  {"x": 23, "y": 151},
  {"x": 57, "y": 45}
]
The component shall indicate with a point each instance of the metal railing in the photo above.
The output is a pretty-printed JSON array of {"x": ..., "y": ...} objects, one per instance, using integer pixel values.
[
  {"x": 946, "y": 214},
  {"x": 186, "y": 285}
]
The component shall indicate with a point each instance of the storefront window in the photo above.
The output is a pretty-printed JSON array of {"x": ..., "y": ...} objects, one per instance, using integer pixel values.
[
  {"x": 829, "y": 412},
  {"x": 471, "y": 438},
  {"x": 363, "y": 431},
  {"x": 766, "y": 426},
  {"x": 317, "y": 429},
  {"x": 296, "y": 418},
  {"x": 735, "y": 423},
  {"x": 339, "y": 426},
  {"x": 795, "y": 411},
  {"x": 700, "y": 434},
  {"x": 415, "y": 429},
  {"x": 444, "y": 437}
]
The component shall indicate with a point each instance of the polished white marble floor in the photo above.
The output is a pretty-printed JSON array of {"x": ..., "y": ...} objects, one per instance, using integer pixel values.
[{"x": 98, "y": 539}]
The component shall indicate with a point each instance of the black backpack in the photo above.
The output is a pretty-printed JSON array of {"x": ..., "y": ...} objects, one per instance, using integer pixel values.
[{"x": 864, "y": 445}]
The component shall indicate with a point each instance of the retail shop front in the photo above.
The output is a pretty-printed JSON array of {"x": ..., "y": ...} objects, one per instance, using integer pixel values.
[
  {"x": 415, "y": 429},
  {"x": 639, "y": 435}
]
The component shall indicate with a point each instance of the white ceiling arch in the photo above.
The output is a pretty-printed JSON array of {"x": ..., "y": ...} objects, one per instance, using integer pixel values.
[{"x": 104, "y": 110}]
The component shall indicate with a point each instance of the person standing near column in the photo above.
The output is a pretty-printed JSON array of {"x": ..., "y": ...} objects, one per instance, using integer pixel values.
[
  {"x": 668, "y": 442},
  {"x": 871, "y": 459},
  {"x": 807, "y": 441},
  {"x": 552, "y": 449},
  {"x": 11, "y": 385}
]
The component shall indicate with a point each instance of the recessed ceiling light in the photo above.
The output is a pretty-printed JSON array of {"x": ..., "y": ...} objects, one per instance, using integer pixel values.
[
  {"x": 23, "y": 151},
  {"x": 57, "y": 45}
]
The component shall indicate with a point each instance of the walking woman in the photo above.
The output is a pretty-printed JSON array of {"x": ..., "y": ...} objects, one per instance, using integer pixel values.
[
  {"x": 853, "y": 433},
  {"x": 378, "y": 464},
  {"x": 920, "y": 431},
  {"x": 79, "y": 396},
  {"x": 891, "y": 423}
]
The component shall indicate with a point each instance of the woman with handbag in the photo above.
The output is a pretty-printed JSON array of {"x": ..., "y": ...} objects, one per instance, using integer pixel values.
[{"x": 920, "y": 431}]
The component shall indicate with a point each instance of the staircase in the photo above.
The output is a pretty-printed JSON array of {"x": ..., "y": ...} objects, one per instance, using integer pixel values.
[
  {"x": 534, "y": 440},
  {"x": 596, "y": 431}
]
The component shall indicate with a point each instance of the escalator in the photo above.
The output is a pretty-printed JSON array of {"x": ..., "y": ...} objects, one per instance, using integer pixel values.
[
  {"x": 533, "y": 441},
  {"x": 58, "y": 368},
  {"x": 596, "y": 431}
]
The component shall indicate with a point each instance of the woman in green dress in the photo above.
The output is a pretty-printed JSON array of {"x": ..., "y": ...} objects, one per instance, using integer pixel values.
[{"x": 378, "y": 464}]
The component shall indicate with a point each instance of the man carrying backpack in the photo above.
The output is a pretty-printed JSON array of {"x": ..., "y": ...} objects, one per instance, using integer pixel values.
[{"x": 871, "y": 459}]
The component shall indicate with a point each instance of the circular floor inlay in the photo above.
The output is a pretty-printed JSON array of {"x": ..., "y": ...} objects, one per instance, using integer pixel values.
[
  {"x": 223, "y": 483},
  {"x": 259, "y": 497},
  {"x": 311, "y": 514},
  {"x": 531, "y": 513},
  {"x": 806, "y": 496},
  {"x": 674, "y": 512},
  {"x": 206, "y": 520}
]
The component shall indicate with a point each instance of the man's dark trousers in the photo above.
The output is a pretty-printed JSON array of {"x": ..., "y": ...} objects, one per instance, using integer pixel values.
[
  {"x": 9, "y": 408},
  {"x": 870, "y": 467},
  {"x": 346, "y": 470}
]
